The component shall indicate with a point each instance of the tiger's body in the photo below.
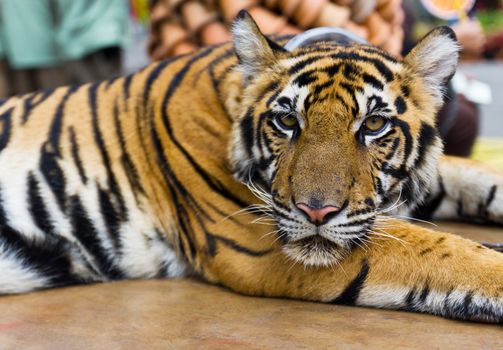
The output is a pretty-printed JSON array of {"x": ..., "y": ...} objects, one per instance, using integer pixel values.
[{"x": 131, "y": 178}]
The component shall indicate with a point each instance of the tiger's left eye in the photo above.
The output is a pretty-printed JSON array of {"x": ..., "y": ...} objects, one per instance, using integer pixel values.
[
  {"x": 374, "y": 124},
  {"x": 287, "y": 121}
]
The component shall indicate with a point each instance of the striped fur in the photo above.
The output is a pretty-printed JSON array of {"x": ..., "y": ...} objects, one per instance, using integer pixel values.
[{"x": 136, "y": 178}]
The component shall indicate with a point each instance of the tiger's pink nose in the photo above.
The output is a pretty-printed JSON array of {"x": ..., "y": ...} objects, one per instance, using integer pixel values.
[{"x": 318, "y": 216}]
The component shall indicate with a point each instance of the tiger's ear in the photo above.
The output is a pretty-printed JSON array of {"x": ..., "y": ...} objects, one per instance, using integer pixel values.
[
  {"x": 435, "y": 58},
  {"x": 255, "y": 51}
]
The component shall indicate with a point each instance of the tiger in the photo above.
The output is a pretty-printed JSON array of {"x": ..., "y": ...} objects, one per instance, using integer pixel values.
[{"x": 271, "y": 172}]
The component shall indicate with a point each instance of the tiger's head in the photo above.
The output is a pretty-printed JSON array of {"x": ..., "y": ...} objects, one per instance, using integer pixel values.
[{"x": 332, "y": 135}]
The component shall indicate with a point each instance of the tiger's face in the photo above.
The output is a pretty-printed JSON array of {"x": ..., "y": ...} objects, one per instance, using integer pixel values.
[{"x": 333, "y": 136}]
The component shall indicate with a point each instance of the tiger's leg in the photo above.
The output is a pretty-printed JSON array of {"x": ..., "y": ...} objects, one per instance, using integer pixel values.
[
  {"x": 466, "y": 190},
  {"x": 420, "y": 270}
]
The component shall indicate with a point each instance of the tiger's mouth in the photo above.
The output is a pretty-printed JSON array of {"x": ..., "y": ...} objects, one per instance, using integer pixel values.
[
  {"x": 316, "y": 251},
  {"x": 325, "y": 244}
]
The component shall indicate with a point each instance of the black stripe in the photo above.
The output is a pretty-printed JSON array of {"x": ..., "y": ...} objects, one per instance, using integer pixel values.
[
  {"x": 467, "y": 302},
  {"x": 239, "y": 248},
  {"x": 350, "y": 90},
  {"x": 459, "y": 309},
  {"x": 393, "y": 149},
  {"x": 483, "y": 208},
  {"x": 128, "y": 165},
  {"x": 171, "y": 180},
  {"x": 75, "y": 154},
  {"x": 424, "y": 294},
  {"x": 354, "y": 223},
  {"x": 377, "y": 51},
  {"x": 491, "y": 196},
  {"x": 259, "y": 135},
  {"x": 53, "y": 173},
  {"x": 247, "y": 131},
  {"x": 6, "y": 128},
  {"x": 225, "y": 214},
  {"x": 212, "y": 239},
  {"x": 401, "y": 172},
  {"x": 27, "y": 99},
  {"x": 350, "y": 71},
  {"x": 318, "y": 89},
  {"x": 460, "y": 208},
  {"x": 29, "y": 104},
  {"x": 405, "y": 90},
  {"x": 211, "y": 69},
  {"x": 405, "y": 128},
  {"x": 264, "y": 163},
  {"x": 111, "y": 217},
  {"x": 56, "y": 126},
  {"x": 400, "y": 105},
  {"x": 154, "y": 74},
  {"x": 350, "y": 294},
  {"x": 86, "y": 233},
  {"x": 427, "y": 135},
  {"x": 127, "y": 86},
  {"x": 273, "y": 86},
  {"x": 305, "y": 78},
  {"x": 332, "y": 70},
  {"x": 303, "y": 63},
  {"x": 410, "y": 301},
  {"x": 426, "y": 210},
  {"x": 360, "y": 212},
  {"x": 186, "y": 228},
  {"x": 100, "y": 143},
  {"x": 110, "y": 82},
  {"x": 379, "y": 186},
  {"x": 37, "y": 207},
  {"x": 376, "y": 103},
  {"x": 378, "y": 64}
]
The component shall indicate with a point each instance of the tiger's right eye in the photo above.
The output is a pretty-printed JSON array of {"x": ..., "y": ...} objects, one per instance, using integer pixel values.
[{"x": 287, "y": 121}]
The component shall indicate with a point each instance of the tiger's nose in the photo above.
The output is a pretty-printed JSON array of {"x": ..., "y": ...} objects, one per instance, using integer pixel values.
[{"x": 318, "y": 216}]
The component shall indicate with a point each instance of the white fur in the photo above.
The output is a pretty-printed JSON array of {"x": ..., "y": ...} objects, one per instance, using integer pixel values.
[
  {"x": 434, "y": 59},
  {"x": 383, "y": 296},
  {"x": 142, "y": 252},
  {"x": 16, "y": 164},
  {"x": 250, "y": 46},
  {"x": 15, "y": 277},
  {"x": 472, "y": 185}
]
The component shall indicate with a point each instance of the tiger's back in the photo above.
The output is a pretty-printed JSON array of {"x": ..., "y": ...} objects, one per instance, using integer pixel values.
[{"x": 79, "y": 200}]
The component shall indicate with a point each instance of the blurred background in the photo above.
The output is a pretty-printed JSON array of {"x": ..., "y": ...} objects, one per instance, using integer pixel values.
[{"x": 49, "y": 43}]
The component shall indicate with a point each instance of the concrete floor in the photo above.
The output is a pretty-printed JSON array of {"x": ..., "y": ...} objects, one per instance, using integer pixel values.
[{"x": 492, "y": 74}]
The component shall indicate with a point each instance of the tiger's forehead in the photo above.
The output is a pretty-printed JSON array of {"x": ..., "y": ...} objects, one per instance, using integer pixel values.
[
  {"x": 324, "y": 56},
  {"x": 360, "y": 78}
]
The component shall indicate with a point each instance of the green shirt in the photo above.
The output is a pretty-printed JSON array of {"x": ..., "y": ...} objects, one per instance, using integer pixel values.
[{"x": 43, "y": 33}]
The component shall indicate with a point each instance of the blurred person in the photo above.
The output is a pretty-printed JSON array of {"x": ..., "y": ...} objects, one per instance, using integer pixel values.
[
  {"x": 48, "y": 43},
  {"x": 459, "y": 119},
  {"x": 470, "y": 35}
]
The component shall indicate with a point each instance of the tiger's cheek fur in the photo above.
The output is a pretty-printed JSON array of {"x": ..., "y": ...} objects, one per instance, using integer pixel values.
[{"x": 407, "y": 160}]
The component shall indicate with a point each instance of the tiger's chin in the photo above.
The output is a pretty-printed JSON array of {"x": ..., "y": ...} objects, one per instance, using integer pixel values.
[{"x": 316, "y": 251}]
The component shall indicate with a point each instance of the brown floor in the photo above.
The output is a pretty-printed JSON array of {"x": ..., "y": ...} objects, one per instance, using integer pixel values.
[{"x": 162, "y": 314}]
